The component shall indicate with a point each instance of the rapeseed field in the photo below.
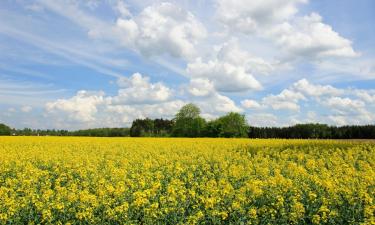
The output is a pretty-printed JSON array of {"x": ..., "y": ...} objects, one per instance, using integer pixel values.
[{"x": 72, "y": 180}]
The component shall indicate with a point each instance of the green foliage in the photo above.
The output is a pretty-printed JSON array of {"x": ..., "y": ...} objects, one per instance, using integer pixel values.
[
  {"x": 232, "y": 125},
  {"x": 163, "y": 127},
  {"x": 311, "y": 130},
  {"x": 101, "y": 132},
  {"x": 4, "y": 129},
  {"x": 213, "y": 129},
  {"x": 142, "y": 127},
  {"x": 188, "y": 122},
  {"x": 188, "y": 111},
  {"x": 151, "y": 128}
]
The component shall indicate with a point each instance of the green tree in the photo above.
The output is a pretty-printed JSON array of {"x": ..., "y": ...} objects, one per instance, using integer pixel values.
[
  {"x": 212, "y": 129},
  {"x": 4, "y": 129},
  {"x": 233, "y": 125},
  {"x": 188, "y": 122},
  {"x": 142, "y": 128}
]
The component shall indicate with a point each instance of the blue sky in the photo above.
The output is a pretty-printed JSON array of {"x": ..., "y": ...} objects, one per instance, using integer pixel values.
[{"x": 72, "y": 64}]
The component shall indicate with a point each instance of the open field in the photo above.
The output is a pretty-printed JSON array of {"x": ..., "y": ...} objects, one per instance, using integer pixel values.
[{"x": 73, "y": 180}]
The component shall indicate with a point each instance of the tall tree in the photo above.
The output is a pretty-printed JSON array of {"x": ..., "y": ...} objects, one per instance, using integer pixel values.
[
  {"x": 233, "y": 125},
  {"x": 188, "y": 122}
]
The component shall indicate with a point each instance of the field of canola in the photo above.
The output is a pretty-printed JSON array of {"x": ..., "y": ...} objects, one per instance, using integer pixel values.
[{"x": 62, "y": 180}]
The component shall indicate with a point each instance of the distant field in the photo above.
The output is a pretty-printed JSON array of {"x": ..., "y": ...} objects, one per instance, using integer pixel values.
[{"x": 75, "y": 180}]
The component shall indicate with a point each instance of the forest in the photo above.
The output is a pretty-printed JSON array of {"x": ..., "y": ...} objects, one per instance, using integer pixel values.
[{"x": 189, "y": 123}]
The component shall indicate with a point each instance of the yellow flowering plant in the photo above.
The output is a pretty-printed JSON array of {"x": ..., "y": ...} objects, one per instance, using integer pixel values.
[{"x": 72, "y": 180}]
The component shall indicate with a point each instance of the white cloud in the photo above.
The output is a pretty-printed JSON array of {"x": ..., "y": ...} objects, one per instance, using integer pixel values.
[
  {"x": 201, "y": 87},
  {"x": 82, "y": 107},
  {"x": 277, "y": 20},
  {"x": 211, "y": 102},
  {"x": 230, "y": 69},
  {"x": 287, "y": 99},
  {"x": 366, "y": 95},
  {"x": 138, "y": 89},
  {"x": 232, "y": 52},
  {"x": 343, "y": 104},
  {"x": 137, "y": 97},
  {"x": 226, "y": 77},
  {"x": 162, "y": 28},
  {"x": 217, "y": 104},
  {"x": 249, "y": 15},
  {"x": 263, "y": 119},
  {"x": 359, "y": 116},
  {"x": 26, "y": 108},
  {"x": 229, "y": 61},
  {"x": 122, "y": 8},
  {"x": 250, "y": 104},
  {"x": 311, "y": 38},
  {"x": 324, "y": 104},
  {"x": 305, "y": 87},
  {"x": 90, "y": 109},
  {"x": 125, "y": 114}
]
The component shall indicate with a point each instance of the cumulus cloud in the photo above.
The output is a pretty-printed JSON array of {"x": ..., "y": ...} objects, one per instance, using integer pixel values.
[
  {"x": 217, "y": 104},
  {"x": 338, "y": 106},
  {"x": 248, "y": 15},
  {"x": 201, "y": 87},
  {"x": 305, "y": 87},
  {"x": 250, "y": 104},
  {"x": 348, "y": 110},
  {"x": 137, "y": 97},
  {"x": 209, "y": 100},
  {"x": 125, "y": 114},
  {"x": 343, "y": 104},
  {"x": 287, "y": 99},
  {"x": 311, "y": 38},
  {"x": 138, "y": 89},
  {"x": 230, "y": 69},
  {"x": 225, "y": 76},
  {"x": 276, "y": 20},
  {"x": 233, "y": 53},
  {"x": 216, "y": 63},
  {"x": 366, "y": 95},
  {"x": 81, "y": 107},
  {"x": 161, "y": 28}
]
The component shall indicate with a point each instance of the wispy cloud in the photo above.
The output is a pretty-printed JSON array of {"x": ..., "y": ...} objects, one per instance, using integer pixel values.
[
  {"x": 77, "y": 54},
  {"x": 15, "y": 92},
  {"x": 24, "y": 71}
]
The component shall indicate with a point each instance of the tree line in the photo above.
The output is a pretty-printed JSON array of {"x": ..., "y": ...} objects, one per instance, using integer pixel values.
[
  {"x": 189, "y": 123},
  {"x": 96, "y": 132},
  {"x": 314, "y": 130}
]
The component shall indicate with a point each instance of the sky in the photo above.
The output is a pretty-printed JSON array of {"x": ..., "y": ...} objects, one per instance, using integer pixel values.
[{"x": 76, "y": 64}]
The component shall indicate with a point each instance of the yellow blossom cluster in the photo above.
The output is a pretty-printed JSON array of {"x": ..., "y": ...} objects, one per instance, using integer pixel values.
[{"x": 73, "y": 180}]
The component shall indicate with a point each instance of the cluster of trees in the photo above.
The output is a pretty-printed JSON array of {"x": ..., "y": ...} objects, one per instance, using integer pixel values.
[
  {"x": 39, "y": 132},
  {"x": 102, "y": 132},
  {"x": 189, "y": 123},
  {"x": 5, "y": 130},
  {"x": 97, "y": 132},
  {"x": 314, "y": 130},
  {"x": 151, "y": 128}
]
